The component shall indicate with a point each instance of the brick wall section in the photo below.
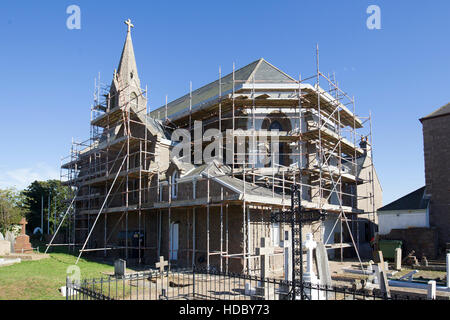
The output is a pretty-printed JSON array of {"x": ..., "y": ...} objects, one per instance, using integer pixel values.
[
  {"x": 436, "y": 135},
  {"x": 422, "y": 240}
]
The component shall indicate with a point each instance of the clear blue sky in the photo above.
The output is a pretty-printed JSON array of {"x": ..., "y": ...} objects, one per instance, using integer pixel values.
[{"x": 401, "y": 72}]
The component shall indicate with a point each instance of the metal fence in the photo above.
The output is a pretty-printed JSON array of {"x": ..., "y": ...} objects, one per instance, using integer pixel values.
[{"x": 201, "y": 284}]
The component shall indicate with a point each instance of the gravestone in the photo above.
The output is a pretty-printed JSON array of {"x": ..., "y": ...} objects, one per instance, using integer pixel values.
[
  {"x": 264, "y": 252},
  {"x": 398, "y": 259},
  {"x": 323, "y": 265},
  {"x": 309, "y": 276},
  {"x": 411, "y": 259},
  {"x": 161, "y": 266},
  {"x": 120, "y": 267},
  {"x": 376, "y": 274},
  {"x": 371, "y": 272},
  {"x": 22, "y": 244},
  {"x": 12, "y": 239},
  {"x": 5, "y": 247},
  {"x": 384, "y": 285}
]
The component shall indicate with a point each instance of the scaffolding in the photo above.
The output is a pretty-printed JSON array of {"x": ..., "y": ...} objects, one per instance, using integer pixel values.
[
  {"x": 333, "y": 164},
  {"x": 117, "y": 171}
]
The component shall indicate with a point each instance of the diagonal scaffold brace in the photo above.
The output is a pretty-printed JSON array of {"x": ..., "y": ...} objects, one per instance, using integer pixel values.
[
  {"x": 61, "y": 223},
  {"x": 101, "y": 209}
]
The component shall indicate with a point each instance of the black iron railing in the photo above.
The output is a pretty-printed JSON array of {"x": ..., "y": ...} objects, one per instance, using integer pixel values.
[{"x": 201, "y": 284}]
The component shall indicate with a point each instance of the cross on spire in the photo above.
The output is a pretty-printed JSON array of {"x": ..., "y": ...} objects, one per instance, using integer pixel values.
[{"x": 129, "y": 24}]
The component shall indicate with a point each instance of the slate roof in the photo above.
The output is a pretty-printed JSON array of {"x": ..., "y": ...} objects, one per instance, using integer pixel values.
[
  {"x": 442, "y": 111},
  {"x": 413, "y": 201},
  {"x": 221, "y": 173},
  {"x": 260, "y": 70}
]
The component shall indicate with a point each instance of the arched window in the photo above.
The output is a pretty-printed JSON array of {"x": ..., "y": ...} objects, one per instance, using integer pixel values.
[
  {"x": 134, "y": 100},
  {"x": 175, "y": 177},
  {"x": 275, "y": 125}
]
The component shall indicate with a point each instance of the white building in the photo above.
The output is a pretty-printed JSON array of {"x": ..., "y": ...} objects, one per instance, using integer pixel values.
[{"x": 410, "y": 211}]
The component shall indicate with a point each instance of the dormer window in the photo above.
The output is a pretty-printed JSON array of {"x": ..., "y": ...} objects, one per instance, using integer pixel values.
[{"x": 175, "y": 177}]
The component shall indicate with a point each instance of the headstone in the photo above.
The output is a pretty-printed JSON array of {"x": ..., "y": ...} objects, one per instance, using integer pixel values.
[
  {"x": 378, "y": 257},
  {"x": 310, "y": 245},
  {"x": 12, "y": 239},
  {"x": 371, "y": 272},
  {"x": 310, "y": 276},
  {"x": 264, "y": 251},
  {"x": 5, "y": 247},
  {"x": 323, "y": 265},
  {"x": 22, "y": 244},
  {"x": 398, "y": 259},
  {"x": 370, "y": 267},
  {"x": 376, "y": 274},
  {"x": 120, "y": 267},
  {"x": 411, "y": 259},
  {"x": 161, "y": 264},
  {"x": 384, "y": 285},
  {"x": 431, "y": 290},
  {"x": 424, "y": 261}
]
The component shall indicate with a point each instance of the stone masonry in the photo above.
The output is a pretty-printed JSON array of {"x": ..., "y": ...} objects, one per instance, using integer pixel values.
[{"x": 436, "y": 135}]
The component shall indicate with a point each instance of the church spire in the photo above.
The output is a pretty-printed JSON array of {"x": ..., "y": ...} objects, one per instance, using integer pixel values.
[
  {"x": 127, "y": 67},
  {"x": 126, "y": 85}
]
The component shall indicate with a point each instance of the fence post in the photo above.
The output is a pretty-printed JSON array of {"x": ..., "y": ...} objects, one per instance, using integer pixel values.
[
  {"x": 193, "y": 282},
  {"x": 67, "y": 288},
  {"x": 448, "y": 269},
  {"x": 431, "y": 294}
]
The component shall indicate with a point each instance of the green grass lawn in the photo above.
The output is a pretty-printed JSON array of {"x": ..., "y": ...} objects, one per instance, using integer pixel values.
[{"x": 40, "y": 280}]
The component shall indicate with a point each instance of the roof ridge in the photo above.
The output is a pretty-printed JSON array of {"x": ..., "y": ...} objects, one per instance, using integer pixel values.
[
  {"x": 410, "y": 197},
  {"x": 439, "y": 112},
  {"x": 252, "y": 75},
  {"x": 278, "y": 69}
]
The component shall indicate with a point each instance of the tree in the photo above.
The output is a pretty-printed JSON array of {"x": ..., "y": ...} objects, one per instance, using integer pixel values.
[
  {"x": 38, "y": 196},
  {"x": 11, "y": 208}
]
